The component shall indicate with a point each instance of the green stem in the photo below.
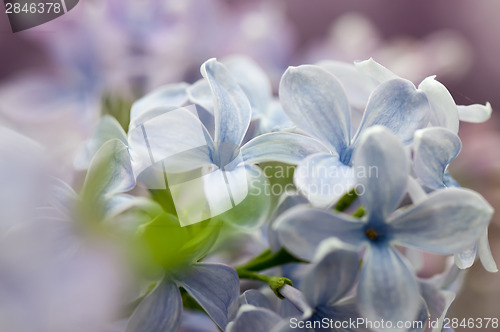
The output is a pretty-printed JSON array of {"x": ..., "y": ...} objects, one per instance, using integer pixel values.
[
  {"x": 360, "y": 212},
  {"x": 346, "y": 201},
  {"x": 275, "y": 283},
  {"x": 268, "y": 259}
]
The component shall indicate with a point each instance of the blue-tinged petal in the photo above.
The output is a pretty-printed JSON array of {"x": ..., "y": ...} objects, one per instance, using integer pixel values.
[
  {"x": 301, "y": 229},
  {"x": 438, "y": 302},
  {"x": 282, "y": 147},
  {"x": 168, "y": 95},
  {"x": 466, "y": 258},
  {"x": 475, "y": 113},
  {"x": 197, "y": 321},
  {"x": 433, "y": 149},
  {"x": 297, "y": 298},
  {"x": 175, "y": 134},
  {"x": 447, "y": 222},
  {"x": 357, "y": 85},
  {"x": 107, "y": 128},
  {"x": 199, "y": 93},
  {"x": 110, "y": 171},
  {"x": 330, "y": 277},
  {"x": 215, "y": 287},
  {"x": 443, "y": 108},
  {"x": 316, "y": 102},
  {"x": 160, "y": 311},
  {"x": 273, "y": 119},
  {"x": 345, "y": 311},
  {"x": 252, "y": 79},
  {"x": 375, "y": 70},
  {"x": 62, "y": 197},
  {"x": 381, "y": 167},
  {"x": 120, "y": 203},
  {"x": 288, "y": 200},
  {"x": 252, "y": 202},
  {"x": 397, "y": 105},
  {"x": 253, "y": 319},
  {"x": 387, "y": 288},
  {"x": 484, "y": 252},
  {"x": 232, "y": 110},
  {"x": 323, "y": 179},
  {"x": 256, "y": 298}
]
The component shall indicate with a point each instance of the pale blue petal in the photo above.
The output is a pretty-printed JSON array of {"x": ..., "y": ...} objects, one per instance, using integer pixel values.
[
  {"x": 301, "y": 229},
  {"x": 215, "y": 287},
  {"x": 387, "y": 288},
  {"x": 323, "y": 179},
  {"x": 253, "y": 319},
  {"x": 484, "y": 252},
  {"x": 168, "y": 95},
  {"x": 282, "y": 147},
  {"x": 297, "y": 298},
  {"x": 252, "y": 79},
  {"x": 475, "y": 113},
  {"x": 160, "y": 311},
  {"x": 62, "y": 197},
  {"x": 252, "y": 201},
  {"x": 110, "y": 171},
  {"x": 177, "y": 135},
  {"x": 381, "y": 167},
  {"x": 288, "y": 200},
  {"x": 199, "y": 93},
  {"x": 375, "y": 70},
  {"x": 447, "y": 222},
  {"x": 346, "y": 311},
  {"x": 397, "y": 105},
  {"x": 120, "y": 203},
  {"x": 256, "y": 298},
  {"x": 274, "y": 119},
  {"x": 107, "y": 128},
  {"x": 232, "y": 110},
  {"x": 197, "y": 321},
  {"x": 357, "y": 85},
  {"x": 466, "y": 258},
  {"x": 438, "y": 302},
  {"x": 433, "y": 149},
  {"x": 443, "y": 108},
  {"x": 316, "y": 102},
  {"x": 330, "y": 278}
]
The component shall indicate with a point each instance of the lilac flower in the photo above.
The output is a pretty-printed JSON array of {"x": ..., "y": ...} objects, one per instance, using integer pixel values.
[
  {"x": 446, "y": 222},
  {"x": 433, "y": 150},
  {"x": 267, "y": 114},
  {"x": 179, "y": 134},
  {"x": 214, "y": 286},
  {"x": 444, "y": 111},
  {"x": 316, "y": 102},
  {"x": 324, "y": 290}
]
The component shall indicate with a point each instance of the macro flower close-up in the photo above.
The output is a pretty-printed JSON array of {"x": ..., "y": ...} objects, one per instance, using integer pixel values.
[{"x": 249, "y": 166}]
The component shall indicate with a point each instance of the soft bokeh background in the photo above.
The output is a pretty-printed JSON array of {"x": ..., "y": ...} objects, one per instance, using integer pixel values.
[{"x": 53, "y": 78}]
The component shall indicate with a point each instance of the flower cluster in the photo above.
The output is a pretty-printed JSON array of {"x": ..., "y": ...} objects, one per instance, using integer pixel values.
[{"x": 368, "y": 194}]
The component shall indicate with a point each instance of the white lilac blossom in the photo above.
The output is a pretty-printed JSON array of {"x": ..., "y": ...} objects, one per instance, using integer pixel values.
[
  {"x": 446, "y": 222},
  {"x": 336, "y": 110},
  {"x": 323, "y": 296},
  {"x": 316, "y": 102},
  {"x": 164, "y": 131},
  {"x": 433, "y": 150}
]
